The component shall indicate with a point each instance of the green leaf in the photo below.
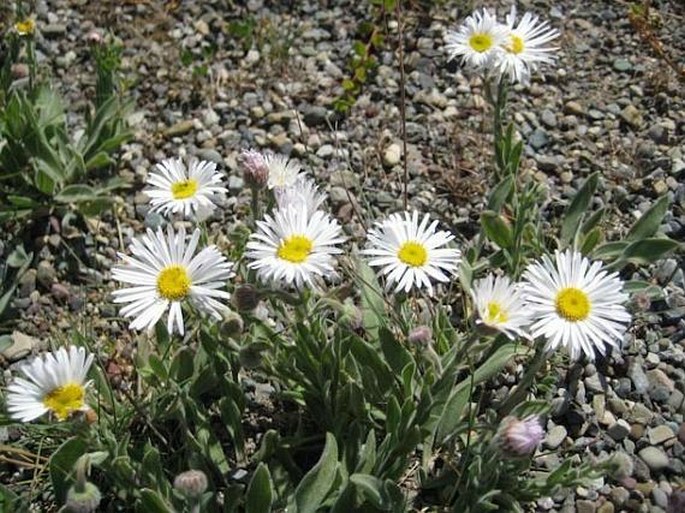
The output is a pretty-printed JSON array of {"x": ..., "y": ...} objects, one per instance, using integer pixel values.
[
  {"x": 315, "y": 485},
  {"x": 61, "y": 465},
  {"x": 370, "y": 487},
  {"x": 496, "y": 229},
  {"x": 372, "y": 298},
  {"x": 76, "y": 193},
  {"x": 590, "y": 240},
  {"x": 260, "y": 492},
  {"x": 395, "y": 353},
  {"x": 577, "y": 209},
  {"x": 650, "y": 221},
  {"x": 151, "y": 502},
  {"x": 592, "y": 221},
  {"x": 609, "y": 250},
  {"x": 500, "y": 193},
  {"x": 646, "y": 251}
]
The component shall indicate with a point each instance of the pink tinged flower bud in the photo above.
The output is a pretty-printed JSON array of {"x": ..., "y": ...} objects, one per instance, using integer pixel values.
[
  {"x": 191, "y": 483},
  {"x": 19, "y": 70},
  {"x": 94, "y": 38},
  {"x": 421, "y": 335},
  {"x": 255, "y": 169},
  {"x": 521, "y": 437}
]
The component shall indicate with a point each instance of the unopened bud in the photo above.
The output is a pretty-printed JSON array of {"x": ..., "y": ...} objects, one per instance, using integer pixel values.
[
  {"x": 520, "y": 437},
  {"x": 94, "y": 38},
  {"x": 250, "y": 356},
  {"x": 83, "y": 498},
  {"x": 351, "y": 316},
  {"x": 642, "y": 301},
  {"x": 232, "y": 325},
  {"x": 255, "y": 169},
  {"x": 90, "y": 416},
  {"x": 191, "y": 483},
  {"x": 245, "y": 298},
  {"x": 421, "y": 335},
  {"x": 19, "y": 70}
]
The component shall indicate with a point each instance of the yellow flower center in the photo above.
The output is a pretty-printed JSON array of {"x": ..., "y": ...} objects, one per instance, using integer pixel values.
[
  {"x": 65, "y": 400},
  {"x": 295, "y": 249},
  {"x": 25, "y": 27},
  {"x": 572, "y": 304},
  {"x": 184, "y": 189},
  {"x": 496, "y": 314},
  {"x": 516, "y": 45},
  {"x": 480, "y": 42},
  {"x": 413, "y": 254},
  {"x": 173, "y": 283}
]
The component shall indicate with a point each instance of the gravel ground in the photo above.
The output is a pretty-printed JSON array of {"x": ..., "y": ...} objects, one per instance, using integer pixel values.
[{"x": 608, "y": 105}]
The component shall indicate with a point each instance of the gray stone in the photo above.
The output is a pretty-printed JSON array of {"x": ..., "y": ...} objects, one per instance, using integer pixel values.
[
  {"x": 326, "y": 151},
  {"x": 21, "y": 346},
  {"x": 315, "y": 115},
  {"x": 210, "y": 155},
  {"x": 619, "y": 430},
  {"x": 27, "y": 283},
  {"x": 622, "y": 65},
  {"x": 538, "y": 139},
  {"x": 585, "y": 506},
  {"x": 655, "y": 458},
  {"x": 392, "y": 155},
  {"x": 235, "y": 183},
  {"x": 45, "y": 274},
  {"x": 631, "y": 115},
  {"x": 548, "y": 118},
  {"x": 574, "y": 108},
  {"x": 640, "y": 413},
  {"x": 555, "y": 437},
  {"x": 619, "y": 496},
  {"x": 660, "y": 385},
  {"x": 659, "y": 434},
  {"x": 594, "y": 384},
  {"x": 53, "y": 30},
  {"x": 660, "y": 498},
  {"x": 637, "y": 376}
]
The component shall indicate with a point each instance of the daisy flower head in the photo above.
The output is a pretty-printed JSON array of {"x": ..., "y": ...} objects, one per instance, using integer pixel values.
[
  {"x": 25, "y": 27},
  {"x": 520, "y": 437},
  {"x": 575, "y": 304},
  {"x": 500, "y": 305},
  {"x": 478, "y": 41},
  {"x": 55, "y": 382},
  {"x": 175, "y": 188},
  {"x": 526, "y": 46},
  {"x": 282, "y": 171},
  {"x": 303, "y": 192},
  {"x": 164, "y": 272},
  {"x": 294, "y": 246},
  {"x": 410, "y": 252}
]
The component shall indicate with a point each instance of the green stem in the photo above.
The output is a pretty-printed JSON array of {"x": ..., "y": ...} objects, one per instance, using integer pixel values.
[
  {"x": 255, "y": 205},
  {"x": 522, "y": 388}
]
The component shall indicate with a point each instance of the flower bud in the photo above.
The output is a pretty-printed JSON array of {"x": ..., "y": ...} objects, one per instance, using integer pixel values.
[
  {"x": 232, "y": 325},
  {"x": 83, "y": 498},
  {"x": 421, "y": 335},
  {"x": 245, "y": 298},
  {"x": 19, "y": 70},
  {"x": 191, "y": 483},
  {"x": 520, "y": 437},
  {"x": 351, "y": 316},
  {"x": 642, "y": 302},
  {"x": 255, "y": 169},
  {"x": 94, "y": 38}
]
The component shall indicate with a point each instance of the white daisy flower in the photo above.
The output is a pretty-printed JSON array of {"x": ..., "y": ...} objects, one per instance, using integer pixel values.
[
  {"x": 500, "y": 305},
  {"x": 478, "y": 40},
  {"x": 575, "y": 304},
  {"x": 175, "y": 188},
  {"x": 294, "y": 246},
  {"x": 303, "y": 192},
  {"x": 525, "y": 46},
  {"x": 282, "y": 172},
  {"x": 165, "y": 273},
  {"x": 411, "y": 253},
  {"x": 55, "y": 382}
]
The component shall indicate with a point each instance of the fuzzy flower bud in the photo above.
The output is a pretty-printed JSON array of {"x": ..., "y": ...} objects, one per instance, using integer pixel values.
[
  {"x": 94, "y": 38},
  {"x": 232, "y": 325},
  {"x": 351, "y": 316},
  {"x": 421, "y": 335},
  {"x": 520, "y": 437},
  {"x": 621, "y": 465},
  {"x": 191, "y": 483},
  {"x": 245, "y": 298},
  {"x": 19, "y": 70},
  {"x": 255, "y": 169},
  {"x": 83, "y": 498}
]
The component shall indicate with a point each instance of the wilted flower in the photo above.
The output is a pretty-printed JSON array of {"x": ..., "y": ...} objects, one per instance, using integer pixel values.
[
  {"x": 164, "y": 273},
  {"x": 255, "y": 169},
  {"x": 410, "y": 252},
  {"x": 520, "y": 437},
  {"x": 575, "y": 304},
  {"x": 19, "y": 70},
  {"x": 191, "y": 483},
  {"x": 231, "y": 325},
  {"x": 421, "y": 335},
  {"x": 56, "y": 382},
  {"x": 622, "y": 465},
  {"x": 245, "y": 297}
]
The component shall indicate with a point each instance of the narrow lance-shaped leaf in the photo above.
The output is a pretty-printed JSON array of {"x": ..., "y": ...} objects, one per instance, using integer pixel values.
[
  {"x": 650, "y": 221},
  {"x": 315, "y": 485},
  {"x": 577, "y": 209},
  {"x": 260, "y": 492}
]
